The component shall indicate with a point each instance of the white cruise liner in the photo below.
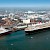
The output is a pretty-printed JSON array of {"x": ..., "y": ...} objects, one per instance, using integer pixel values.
[
  {"x": 4, "y": 31},
  {"x": 38, "y": 26}
]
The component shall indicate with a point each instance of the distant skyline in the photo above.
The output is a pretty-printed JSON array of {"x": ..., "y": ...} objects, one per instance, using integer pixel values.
[{"x": 25, "y": 3}]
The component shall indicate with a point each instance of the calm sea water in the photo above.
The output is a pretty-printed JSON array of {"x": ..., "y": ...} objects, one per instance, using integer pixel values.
[{"x": 20, "y": 41}]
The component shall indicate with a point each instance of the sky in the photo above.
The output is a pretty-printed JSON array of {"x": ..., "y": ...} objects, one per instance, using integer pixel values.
[{"x": 24, "y": 3}]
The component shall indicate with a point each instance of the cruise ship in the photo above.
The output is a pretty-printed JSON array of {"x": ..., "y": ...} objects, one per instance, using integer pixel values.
[
  {"x": 36, "y": 27},
  {"x": 4, "y": 31}
]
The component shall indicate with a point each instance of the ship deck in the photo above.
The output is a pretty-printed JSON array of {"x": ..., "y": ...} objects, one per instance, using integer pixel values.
[{"x": 37, "y": 27}]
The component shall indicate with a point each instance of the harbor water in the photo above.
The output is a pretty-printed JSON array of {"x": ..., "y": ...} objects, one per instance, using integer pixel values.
[{"x": 19, "y": 41}]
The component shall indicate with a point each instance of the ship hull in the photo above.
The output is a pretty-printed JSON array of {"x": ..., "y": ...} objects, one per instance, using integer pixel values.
[
  {"x": 6, "y": 33},
  {"x": 36, "y": 31}
]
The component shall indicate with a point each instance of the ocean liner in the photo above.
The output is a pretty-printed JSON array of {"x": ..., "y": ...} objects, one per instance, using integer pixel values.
[
  {"x": 36, "y": 27},
  {"x": 4, "y": 31}
]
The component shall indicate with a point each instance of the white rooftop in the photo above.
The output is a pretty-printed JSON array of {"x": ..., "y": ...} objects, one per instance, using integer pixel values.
[{"x": 30, "y": 12}]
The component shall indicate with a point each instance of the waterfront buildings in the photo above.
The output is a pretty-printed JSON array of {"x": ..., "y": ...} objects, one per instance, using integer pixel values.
[{"x": 30, "y": 17}]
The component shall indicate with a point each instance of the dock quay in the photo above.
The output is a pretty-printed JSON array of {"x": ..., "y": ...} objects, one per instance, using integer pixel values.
[
  {"x": 37, "y": 27},
  {"x": 15, "y": 28}
]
